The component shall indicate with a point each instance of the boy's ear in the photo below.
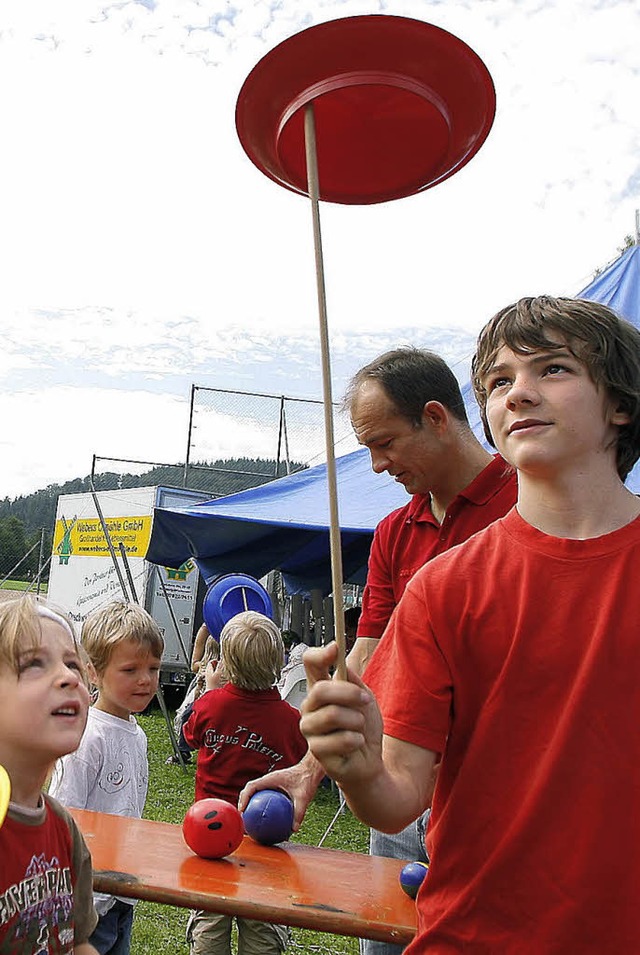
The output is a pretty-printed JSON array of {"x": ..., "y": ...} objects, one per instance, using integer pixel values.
[
  {"x": 620, "y": 416},
  {"x": 92, "y": 673}
]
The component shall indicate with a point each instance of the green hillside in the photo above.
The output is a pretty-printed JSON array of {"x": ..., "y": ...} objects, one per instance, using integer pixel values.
[{"x": 23, "y": 519}]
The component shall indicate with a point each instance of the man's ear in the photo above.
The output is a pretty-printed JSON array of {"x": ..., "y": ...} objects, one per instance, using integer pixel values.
[{"x": 436, "y": 416}]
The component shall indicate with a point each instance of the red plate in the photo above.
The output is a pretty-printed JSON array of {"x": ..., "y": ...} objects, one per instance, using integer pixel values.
[{"x": 399, "y": 106}]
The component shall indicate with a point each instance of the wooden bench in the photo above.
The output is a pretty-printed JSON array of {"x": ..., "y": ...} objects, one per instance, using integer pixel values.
[{"x": 343, "y": 893}]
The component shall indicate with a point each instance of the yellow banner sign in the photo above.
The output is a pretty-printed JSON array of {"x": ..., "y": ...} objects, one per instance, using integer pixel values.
[{"x": 84, "y": 537}]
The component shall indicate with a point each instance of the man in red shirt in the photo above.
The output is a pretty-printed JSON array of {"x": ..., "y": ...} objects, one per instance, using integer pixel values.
[
  {"x": 516, "y": 657},
  {"x": 407, "y": 409}
]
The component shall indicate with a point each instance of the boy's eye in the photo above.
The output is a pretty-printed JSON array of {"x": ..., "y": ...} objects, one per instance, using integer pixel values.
[
  {"x": 497, "y": 382},
  {"x": 31, "y": 662},
  {"x": 555, "y": 368}
]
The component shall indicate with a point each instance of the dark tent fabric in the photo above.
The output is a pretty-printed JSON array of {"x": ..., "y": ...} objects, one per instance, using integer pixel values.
[
  {"x": 619, "y": 288},
  {"x": 283, "y": 525}
]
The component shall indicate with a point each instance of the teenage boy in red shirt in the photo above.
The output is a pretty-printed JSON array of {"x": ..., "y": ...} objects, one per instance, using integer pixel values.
[{"x": 523, "y": 667}]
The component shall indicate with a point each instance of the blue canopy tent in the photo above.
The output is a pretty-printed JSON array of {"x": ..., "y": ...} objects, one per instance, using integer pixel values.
[
  {"x": 619, "y": 288},
  {"x": 283, "y": 525}
]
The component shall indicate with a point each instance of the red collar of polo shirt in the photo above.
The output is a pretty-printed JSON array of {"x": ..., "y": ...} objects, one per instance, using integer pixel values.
[
  {"x": 483, "y": 487},
  {"x": 490, "y": 480}
]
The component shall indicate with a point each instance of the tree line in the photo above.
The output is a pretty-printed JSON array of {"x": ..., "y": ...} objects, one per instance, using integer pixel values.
[{"x": 27, "y": 518}]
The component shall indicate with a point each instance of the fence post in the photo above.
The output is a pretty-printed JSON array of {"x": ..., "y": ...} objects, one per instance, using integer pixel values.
[
  {"x": 185, "y": 476},
  {"x": 40, "y": 557}
]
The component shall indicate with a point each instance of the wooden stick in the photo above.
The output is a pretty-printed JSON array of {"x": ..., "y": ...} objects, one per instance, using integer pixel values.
[{"x": 332, "y": 484}]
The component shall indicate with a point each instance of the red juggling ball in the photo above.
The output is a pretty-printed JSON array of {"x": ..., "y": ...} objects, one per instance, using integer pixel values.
[{"x": 213, "y": 828}]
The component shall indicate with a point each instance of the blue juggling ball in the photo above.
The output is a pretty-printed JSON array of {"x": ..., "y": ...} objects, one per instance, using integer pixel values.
[
  {"x": 268, "y": 818},
  {"x": 412, "y": 876}
]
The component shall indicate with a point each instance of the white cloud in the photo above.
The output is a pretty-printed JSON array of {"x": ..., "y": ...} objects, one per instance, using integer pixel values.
[
  {"x": 59, "y": 429},
  {"x": 142, "y": 250}
]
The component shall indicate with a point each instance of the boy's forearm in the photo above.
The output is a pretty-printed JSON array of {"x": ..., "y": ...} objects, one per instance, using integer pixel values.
[
  {"x": 361, "y": 653},
  {"x": 373, "y": 805},
  {"x": 377, "y": 793},
  {"x": 393, "y": 797},
  {"x": 387, "y": 782}
]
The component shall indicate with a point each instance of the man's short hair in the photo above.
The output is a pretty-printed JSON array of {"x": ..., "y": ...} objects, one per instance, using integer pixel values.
[
  {"x": 607, "y": 345},
  {"x": 114, "y": 623},
  {"x": 252, "y": 651},
  {"x": 411, "y": 377}
]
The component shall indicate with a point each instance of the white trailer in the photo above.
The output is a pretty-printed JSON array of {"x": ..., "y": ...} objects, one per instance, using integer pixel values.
[{"x": 83, "y": 576}]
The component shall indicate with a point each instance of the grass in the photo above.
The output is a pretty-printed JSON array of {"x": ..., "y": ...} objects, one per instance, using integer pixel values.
[
  {"x": 160, "y": 928},
  {"x": 22, "y": 585}
]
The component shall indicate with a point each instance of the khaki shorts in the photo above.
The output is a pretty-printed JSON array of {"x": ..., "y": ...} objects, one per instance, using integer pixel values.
[{"x": 210, "y": 934}]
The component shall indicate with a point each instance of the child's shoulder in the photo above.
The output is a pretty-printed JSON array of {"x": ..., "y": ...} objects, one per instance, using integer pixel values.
[
  {"x": 49, "y": 813},
  {"x": 284, "y": 707}
]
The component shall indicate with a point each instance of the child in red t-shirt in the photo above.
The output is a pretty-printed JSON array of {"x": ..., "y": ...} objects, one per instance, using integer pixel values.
[
  {"x": 46, "y": 901},
  {"x": 241, "y": 730}
]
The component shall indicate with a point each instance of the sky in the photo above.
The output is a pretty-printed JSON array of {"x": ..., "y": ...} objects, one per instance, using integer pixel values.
[{"x": 142, "y": 252}]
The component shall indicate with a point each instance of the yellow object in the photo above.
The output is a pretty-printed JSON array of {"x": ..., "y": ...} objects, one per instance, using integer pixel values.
[
  {"x": 84, "y": 536},
  {"x": 5, "y": 793}
]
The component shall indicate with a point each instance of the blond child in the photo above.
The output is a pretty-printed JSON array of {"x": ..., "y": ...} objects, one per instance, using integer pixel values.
[
  {"x": 241, "y": 730},
  {"x": 109, "y": 771},
  {"x": 45, "y": 868}
]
